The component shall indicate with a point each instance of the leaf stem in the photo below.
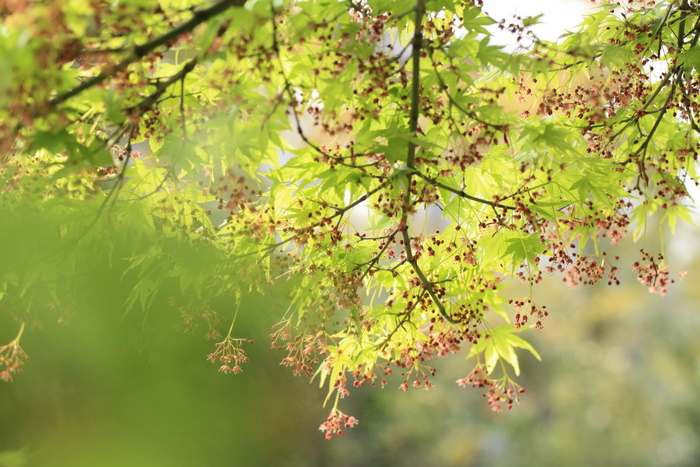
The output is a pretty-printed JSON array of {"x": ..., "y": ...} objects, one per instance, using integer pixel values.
[{"x": 19, "y": 334}]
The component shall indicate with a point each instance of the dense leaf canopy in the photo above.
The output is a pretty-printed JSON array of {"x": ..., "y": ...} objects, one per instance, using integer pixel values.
[{"x": 383, "y": 166}]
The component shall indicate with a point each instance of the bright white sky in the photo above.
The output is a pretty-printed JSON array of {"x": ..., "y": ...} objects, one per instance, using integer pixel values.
[{"x": 559, "y": 15}]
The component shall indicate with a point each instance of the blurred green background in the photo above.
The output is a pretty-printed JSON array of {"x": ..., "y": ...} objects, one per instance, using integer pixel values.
[{"x": 619, "y": 385}]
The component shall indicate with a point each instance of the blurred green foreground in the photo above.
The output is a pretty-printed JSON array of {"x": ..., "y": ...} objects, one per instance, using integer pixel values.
[{"x": 619, "y": 384}]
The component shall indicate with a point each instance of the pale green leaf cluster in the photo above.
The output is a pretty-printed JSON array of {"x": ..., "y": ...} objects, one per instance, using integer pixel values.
[{"x": 292, "y": 147}]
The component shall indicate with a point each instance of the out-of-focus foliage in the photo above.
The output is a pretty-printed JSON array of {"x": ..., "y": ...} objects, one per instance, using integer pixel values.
[
  {"x": 619, "y": 387},
  {"x": 111, "y": 390},
  {"x": 192, "y": 155}
]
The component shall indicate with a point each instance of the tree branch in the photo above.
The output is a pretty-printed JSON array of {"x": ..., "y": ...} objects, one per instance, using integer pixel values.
[
  {"x": 462, "y": 194},
  {"x": 417, "y": 44},
  {"x": 374, "y": 261},
  {"x": 427, "y": 285},
  {"x": 139, "y": 51},
  {"x": 163, "y": 86}
]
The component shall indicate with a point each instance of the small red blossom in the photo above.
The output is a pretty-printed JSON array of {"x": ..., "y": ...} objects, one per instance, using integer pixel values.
[
  {"x": 335, "y": 423},
  {"x": 230, "y": 354},
  {"x": 501, "y": 391},
  {"x": 12, "y": 357},
  {"x": 652, "y": 272}
]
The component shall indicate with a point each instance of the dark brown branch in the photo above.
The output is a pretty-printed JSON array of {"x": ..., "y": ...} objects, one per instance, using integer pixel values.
[
  {"x": 646, "y": 104},
  {"x": 339, "y": 213},
  {"x": 455, "y": 104},
  {"x": 462, "y": 194},
  {"x": 427, "y": 285},
  {"x": 163, "y": 86},
  {"x": 643, "y": 147},
  {"x": 373, "y": 262},
  {"x": 139, "y": 51},
  {"x": 406, "y": 317},
  {"x": 343, "y": 210},
  {"x": 417, "y": 44}
]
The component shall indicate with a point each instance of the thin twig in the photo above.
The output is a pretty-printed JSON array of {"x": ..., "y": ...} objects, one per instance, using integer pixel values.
[
  {"x": 462, "y": 194},
  {"x": 139, "y": 51}
]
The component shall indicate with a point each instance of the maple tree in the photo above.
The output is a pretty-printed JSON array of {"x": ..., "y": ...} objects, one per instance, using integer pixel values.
[{"x": 384, "y": 163}]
